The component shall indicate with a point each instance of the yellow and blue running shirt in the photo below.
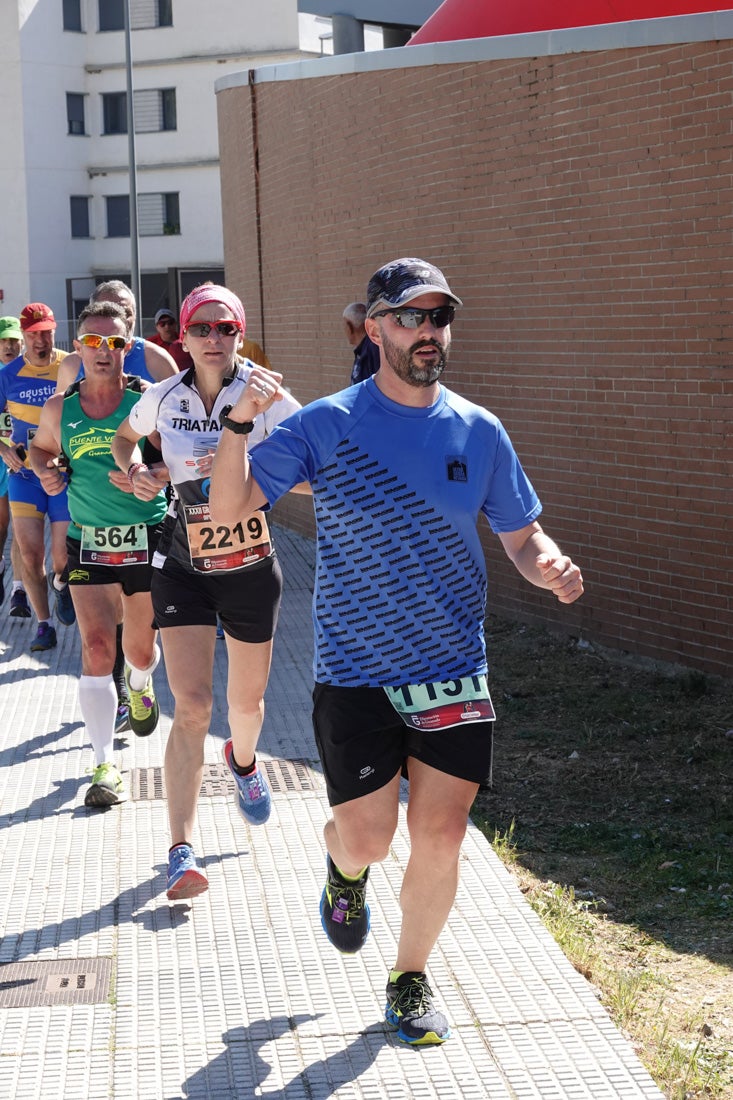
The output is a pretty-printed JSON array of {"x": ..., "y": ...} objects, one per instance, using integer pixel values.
[
  {"x": 24, "y": 390},
  {"x": 400, "y": 592}
]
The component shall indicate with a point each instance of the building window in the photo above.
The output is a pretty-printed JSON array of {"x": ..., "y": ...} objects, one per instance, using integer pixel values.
[
  {"x": 79, "y": 205},
  {"x": 75, "y": 113},
  {"x": 118, "y": 215},
  {"x": 151, "y": 13},
  {"x": 111, "y": 15},
  {"x": 155, "y": 110},
  {"x": 72, "y": 15},
  {"x": 114, "y": 113},
  {"x": 158, "y": 214},
  {"x": 144, "y": 14}
]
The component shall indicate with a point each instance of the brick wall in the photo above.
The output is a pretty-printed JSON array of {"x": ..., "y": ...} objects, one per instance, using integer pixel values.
[{"x": 582, "y": 207}]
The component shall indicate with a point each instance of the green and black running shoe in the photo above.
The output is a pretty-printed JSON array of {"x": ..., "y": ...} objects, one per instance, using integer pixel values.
[
  {"x": 410, "y": 1009},
  {"x": 107, "y": 788},
  {"x": 143, "y": 710}
]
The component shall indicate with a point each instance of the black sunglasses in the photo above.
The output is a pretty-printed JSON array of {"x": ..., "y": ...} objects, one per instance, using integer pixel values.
[
  {"x": 409, "y": 317},
  {"x": 203, "y": 328}
]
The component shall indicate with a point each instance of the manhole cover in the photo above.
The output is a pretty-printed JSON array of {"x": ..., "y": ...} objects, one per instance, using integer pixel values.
[
  {"x": 284, "y": 776},
  {"x": 61, "y": 981}
]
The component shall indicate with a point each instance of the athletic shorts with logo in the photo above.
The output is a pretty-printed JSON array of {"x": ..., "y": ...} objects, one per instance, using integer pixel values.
[
  {"x": 247, "y": 601},
  {"x": 133, "y": 578},
  {"x": 363, "y": 743}
]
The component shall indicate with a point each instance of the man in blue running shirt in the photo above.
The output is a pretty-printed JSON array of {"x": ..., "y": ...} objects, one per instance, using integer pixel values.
[
  {"x": 25, "y": 385},
  {"x": 400, "y": 469}
]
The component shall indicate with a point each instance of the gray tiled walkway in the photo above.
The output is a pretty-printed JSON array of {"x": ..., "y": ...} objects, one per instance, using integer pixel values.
[{"x": 108, "y": 990}]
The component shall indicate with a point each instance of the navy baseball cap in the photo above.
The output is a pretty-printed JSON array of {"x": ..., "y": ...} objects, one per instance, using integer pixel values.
[{"x": 402, "y": 280}]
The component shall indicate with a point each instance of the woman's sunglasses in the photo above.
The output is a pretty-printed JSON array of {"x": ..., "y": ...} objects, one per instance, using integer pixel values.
[{"x": 203, "y": 328}]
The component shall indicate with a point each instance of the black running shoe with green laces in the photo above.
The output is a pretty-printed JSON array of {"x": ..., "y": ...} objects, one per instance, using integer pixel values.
[
  {"x": 344, "y": 911},
  {"x": 410, "y": 1009}
]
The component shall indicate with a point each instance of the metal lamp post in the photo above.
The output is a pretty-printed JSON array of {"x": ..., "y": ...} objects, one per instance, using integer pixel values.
[{"x": 135, "y": 284}]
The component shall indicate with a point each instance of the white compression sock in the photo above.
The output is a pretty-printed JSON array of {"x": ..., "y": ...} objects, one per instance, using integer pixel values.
[
  {"x": 98, "y": 702},
  {"x": 140, "y": 676}
]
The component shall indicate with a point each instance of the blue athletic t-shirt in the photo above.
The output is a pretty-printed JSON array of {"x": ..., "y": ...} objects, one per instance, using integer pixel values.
[
  {"x": 400, "y": 591},
  {"x": 135, "y": 361}
]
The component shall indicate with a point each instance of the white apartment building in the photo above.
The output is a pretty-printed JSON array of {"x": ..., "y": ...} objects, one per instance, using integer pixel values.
[{"x": 64, "y": 168}]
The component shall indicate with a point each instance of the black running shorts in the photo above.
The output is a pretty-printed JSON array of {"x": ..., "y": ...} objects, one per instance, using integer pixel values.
[
  {"x": 363, "y": 743},
  {"x": 133, "y": 578},
  {"x": 246, "y": 601}
]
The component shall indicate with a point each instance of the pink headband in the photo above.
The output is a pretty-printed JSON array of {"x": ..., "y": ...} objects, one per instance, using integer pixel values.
[{"x": 202, "y": 295}]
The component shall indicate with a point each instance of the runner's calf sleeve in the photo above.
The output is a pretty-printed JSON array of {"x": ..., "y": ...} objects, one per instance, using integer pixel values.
[{"x": 98, "y": 703}]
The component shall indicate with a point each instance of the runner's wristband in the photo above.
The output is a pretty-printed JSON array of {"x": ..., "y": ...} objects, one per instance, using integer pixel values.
[
  {"x": 133, "y": 468},
  {"x": 239, "y": 427}
]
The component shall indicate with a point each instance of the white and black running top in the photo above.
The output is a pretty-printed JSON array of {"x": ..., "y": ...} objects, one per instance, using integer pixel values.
[{"x": 176, "y": 411}]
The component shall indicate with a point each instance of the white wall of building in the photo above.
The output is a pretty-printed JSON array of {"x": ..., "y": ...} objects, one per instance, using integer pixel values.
[
  {"x": 14, "y": 262},
  {"x": 43, "y": 165}
]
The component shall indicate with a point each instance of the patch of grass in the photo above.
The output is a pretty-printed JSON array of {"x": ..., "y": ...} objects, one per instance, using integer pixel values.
[{"x": 612, "y": 805}]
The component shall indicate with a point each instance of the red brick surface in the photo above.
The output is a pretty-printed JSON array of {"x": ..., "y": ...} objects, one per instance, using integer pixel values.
[{"x": 582, "y": 207}]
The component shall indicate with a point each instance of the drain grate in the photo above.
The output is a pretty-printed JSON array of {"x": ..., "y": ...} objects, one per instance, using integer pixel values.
[
  {"x": 292, "y": 776},
  {"x": 284, "y": 776},
  {"x": 59, "y": 982}
]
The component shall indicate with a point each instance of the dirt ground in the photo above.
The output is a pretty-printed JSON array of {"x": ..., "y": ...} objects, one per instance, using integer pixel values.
[{"x": 615, "y": 781}]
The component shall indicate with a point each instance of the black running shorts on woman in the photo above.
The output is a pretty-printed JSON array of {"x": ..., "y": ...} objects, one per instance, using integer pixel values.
[{"x": 247, "y": 602}]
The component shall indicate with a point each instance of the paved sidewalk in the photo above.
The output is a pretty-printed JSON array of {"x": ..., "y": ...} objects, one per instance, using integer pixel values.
[{"x": 108, "y": 990}]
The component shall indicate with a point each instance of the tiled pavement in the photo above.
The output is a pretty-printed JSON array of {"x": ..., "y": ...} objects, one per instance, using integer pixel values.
[{"x": 108, "y": 990}]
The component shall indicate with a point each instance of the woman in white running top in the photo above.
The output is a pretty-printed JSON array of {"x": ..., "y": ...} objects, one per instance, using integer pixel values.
[{"x": 205, "y": 570}]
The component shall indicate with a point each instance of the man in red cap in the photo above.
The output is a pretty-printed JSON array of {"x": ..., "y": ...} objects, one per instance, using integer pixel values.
[
  {"x": 11, "y": 345},
  {"x": 26, "y": 383}
]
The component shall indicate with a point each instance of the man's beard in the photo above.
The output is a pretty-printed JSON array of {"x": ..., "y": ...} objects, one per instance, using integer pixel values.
[{"x": 401, "y": 362}]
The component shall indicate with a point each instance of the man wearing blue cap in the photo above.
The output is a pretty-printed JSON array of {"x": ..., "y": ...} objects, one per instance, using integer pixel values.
[{"x": 401, "y": 468}]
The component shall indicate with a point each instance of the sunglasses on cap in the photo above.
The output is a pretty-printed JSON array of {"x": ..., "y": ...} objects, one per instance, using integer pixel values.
[
  {"x": 203, "y": 328},
  {"x": 94, "y": 340},
  {"x": 410, "y": 317}
]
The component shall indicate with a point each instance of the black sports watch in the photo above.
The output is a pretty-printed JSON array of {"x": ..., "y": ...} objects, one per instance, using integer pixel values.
[{"x": 239, "y": 427}]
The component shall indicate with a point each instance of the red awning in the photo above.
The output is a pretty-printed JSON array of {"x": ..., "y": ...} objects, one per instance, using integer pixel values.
[{"x": 456, "y": 19}]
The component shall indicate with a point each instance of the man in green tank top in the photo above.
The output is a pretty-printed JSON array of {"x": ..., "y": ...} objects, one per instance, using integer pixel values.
[{"x": 111, "y": 539}]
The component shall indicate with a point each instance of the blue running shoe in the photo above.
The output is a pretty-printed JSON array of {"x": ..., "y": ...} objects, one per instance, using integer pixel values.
[
  {"x": 19, "y": 606},
  {"x": 345, "y": 911},
  {"x": 253, "y": 794},
  {"x": 122, "y": 721},
  {"x": 184, "y": 878},
  {"x": 64, "y": 606},
  {"x": 45, "y": 638},
  {"x": 410, "y": 1008}
]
